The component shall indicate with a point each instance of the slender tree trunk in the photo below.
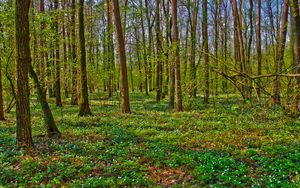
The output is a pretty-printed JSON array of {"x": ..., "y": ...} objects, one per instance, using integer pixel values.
[
  {"x": 111, "y": 54},
  {"x": 159, "y": 72},
  {"x": 42, "y": 49},
  {"x": 149, "y": 50},
  {"x": 206, "y": 55},
  {"x": 52, "y": 130},
  {"x": 64, "y": 35},
  {"x": 193, "y": 25},
  {"x": 146, "y": 67},
  {"x": 121, "y": 44},
  {"x": 1, "y": 89},
  {"x": 24, "y": 133},
  {"x": 179, "y": 106},
  {"x": 168, "y": 33},
  {"x": 84, "y": 107},
  {"x": 296, "y": 62},
  {"x": 74, "y": 97},
  {"x": 259, "y": 58},
  {"x": 57, "y": 58},
  {"x": 280, "y": 54}
]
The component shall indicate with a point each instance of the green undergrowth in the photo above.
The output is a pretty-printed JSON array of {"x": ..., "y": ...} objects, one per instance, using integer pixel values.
[{"x": 228, "y": 144}]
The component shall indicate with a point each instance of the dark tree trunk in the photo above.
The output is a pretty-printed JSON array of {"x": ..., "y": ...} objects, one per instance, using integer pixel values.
[
  {"x": 52, "y": 130},
  {"x": 259, "y": 58},
  {"x": 57, "y": 59},
  {"x": 84, "y": 108},
  {"x": 146, "y": 67},
  {"x": 206, "y": 55},
  {"x": 121, "y": 44},
  {"x": 159, "y": 71},
  {"x": 111, "y": 54},
  {"x": 1, "y": 89},
  {"x": 24, "y": 133},
  {"x": 280, "y": 52},
  {"x": 74, "y": 96},
  {"x": 296, "y": 62},
  {"x": 176, "y": 41}
]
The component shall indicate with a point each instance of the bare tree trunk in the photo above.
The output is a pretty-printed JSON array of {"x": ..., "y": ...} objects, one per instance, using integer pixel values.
[
  {"x": 296, "y": 62},
  {"x": 121, "y": 44},
  {"x": 42, "y": 49},
  {"x": 176, "y": 42},
  {"x": 52, "y": 130},
  {"x": 64, "y": 35},
  {"x": 24, "y": 133},
  {"x": 280, "y": 54},
  {"x": 193, "y": 24},
  {"x": 259, "y": 58},
  {"x": 159, "y": 71},
  {"x": 206, "y": 55},
  {"x": 1, "y": 89},
  {"x": 57, "y": 58},
  {"x": 111, "y": 54},
  {"x": 84, "y": 107},
  {"x": 74, "y": 97},
  {"x": 146, "y": 67}
]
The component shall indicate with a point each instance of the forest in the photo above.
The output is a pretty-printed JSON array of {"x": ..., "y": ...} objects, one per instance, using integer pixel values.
[{"x": 149, "y": 93}]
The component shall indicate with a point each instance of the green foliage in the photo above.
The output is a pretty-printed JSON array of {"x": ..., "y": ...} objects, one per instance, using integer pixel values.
[{"x": 233, "y": 145}]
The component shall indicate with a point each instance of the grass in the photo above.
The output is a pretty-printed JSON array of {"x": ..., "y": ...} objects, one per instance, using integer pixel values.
[{"x": 235, "y": 144}]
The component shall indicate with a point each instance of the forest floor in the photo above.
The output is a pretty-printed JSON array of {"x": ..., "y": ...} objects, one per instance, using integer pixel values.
[{"x": 229, "y": 144}]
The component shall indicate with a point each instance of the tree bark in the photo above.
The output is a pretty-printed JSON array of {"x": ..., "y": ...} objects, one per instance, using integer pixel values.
[
  {"x": 296, "y": 62},
  {"x": 125, "y": 105},
  {"x": 159, "y": 70},
  {"x": 52, "y": 130},
  {"x": 84, "y": 107},
  {"x": 176, "y": 42},
  {"x": 74, "y": 96},
  {"x": 24, "y": 133},
  {"x": 1, "y": 89},
  {"x": 280, "y": 52},
  {"x": 57, "y": 58},
  {"x": 206, "y": 52}
]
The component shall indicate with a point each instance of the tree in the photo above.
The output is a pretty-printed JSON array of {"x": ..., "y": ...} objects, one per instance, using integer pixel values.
[
  {"x": 206, "y": 52},
  {"x": 1, "y": 89},
  {"x": 74, "y": 96},
  {"x": 296, "y": 60},
  {"x": 125, "y": 105},
  {"x": 259, "y": 58},
  {"x": 24, "y": 133},
  {"x": 193, "y": 26},
  {"x": 176, "y": 42},
  {"x": 280, "y": 52},
  {"x": 84, "y": 108},
  {"x": 159, "y": 68},
  {"x": 52, "y": 130},
  {"x": 57, "y": 58},
  {"x": 111, "y": 54}
]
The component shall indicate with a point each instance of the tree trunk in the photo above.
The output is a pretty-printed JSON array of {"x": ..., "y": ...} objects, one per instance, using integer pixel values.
[
  {"x": 111, "y": 54},
  {"x": 159, "y": 70},
  {"x": 74, "y": 97},
  {"x": 280, "y": 54},
  {"x": 259, "y": 58},
  {"x": 57, "y": 58},
  {"x": 52, "y": 130},
  {"x": 84, "y": 108},
  {"x": 42, "y": 49},
  {"x": 176, "y": 42},
  {"x": 24, "y": 133},
  {"x": 206, "y": 55},
  {"x": 296, "y": 62},
  {"x": 121, "y": 44},
  {"x": 1, "y": 89}
]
